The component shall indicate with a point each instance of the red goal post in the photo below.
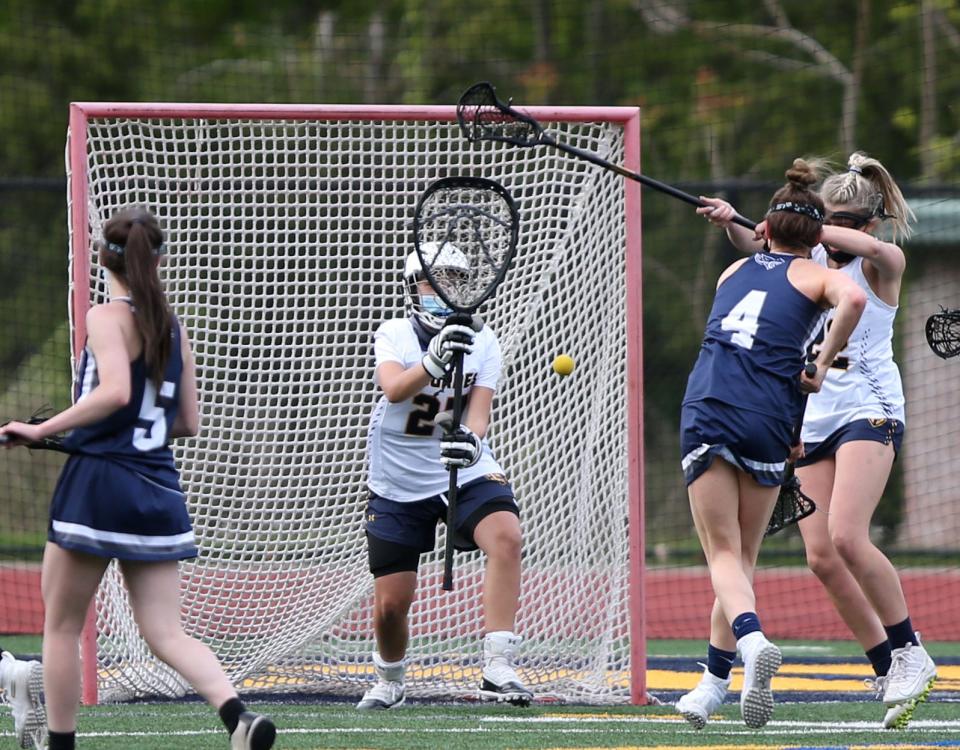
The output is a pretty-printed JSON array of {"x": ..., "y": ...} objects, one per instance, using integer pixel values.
[{"x": 287, "y": 226}]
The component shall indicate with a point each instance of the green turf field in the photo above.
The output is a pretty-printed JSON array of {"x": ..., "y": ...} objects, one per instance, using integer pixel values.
[
  {"x": 828, "y": 710},
  {"x": 191, "y": 726}
]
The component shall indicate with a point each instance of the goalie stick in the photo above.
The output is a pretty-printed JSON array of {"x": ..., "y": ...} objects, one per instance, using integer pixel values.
[
  {"x": 480, "y": 218},
  {"x": 483, "y": 117}
]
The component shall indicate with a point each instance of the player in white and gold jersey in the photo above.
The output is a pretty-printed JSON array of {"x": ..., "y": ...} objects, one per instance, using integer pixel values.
[{"x": 408, "y": 480}]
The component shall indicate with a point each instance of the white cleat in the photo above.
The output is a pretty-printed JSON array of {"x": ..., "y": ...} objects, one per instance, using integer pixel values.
[
  {"x": 761, "y": 660},
  {"x": 500, "y": 681},
  {"x": 23, "y": 689},
  {"x": 385, "y": 694},
  {"x": 893, "y": 718},
  {"x": 389, "y": 690},
  {"x": 511, "y": 691},
  {"x": 697, "y": 705},
  {"x": 911, "y": 675},
  {"x": 898, "y": 716}
]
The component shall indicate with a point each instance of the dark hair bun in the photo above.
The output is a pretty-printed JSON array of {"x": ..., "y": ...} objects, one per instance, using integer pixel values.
[{"x": 801, "y": 174}]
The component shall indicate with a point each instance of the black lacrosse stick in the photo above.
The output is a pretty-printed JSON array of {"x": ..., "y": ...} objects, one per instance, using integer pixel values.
[
  {"x": 465, "y": 232},
  {"x": 483, "y": 117},
  {"x": 52, "y": 443},
  {"x": 943, "y": 333},
  {"x": 792, "y": 504}
]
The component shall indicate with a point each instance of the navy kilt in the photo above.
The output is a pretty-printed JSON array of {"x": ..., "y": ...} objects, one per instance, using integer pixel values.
[
  {"x": 110, "y": 509},
  {"x": 753, "y": 442}
]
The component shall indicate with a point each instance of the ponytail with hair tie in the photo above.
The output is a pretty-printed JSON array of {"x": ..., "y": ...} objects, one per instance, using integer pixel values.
[{"x": 133, "y": 257}]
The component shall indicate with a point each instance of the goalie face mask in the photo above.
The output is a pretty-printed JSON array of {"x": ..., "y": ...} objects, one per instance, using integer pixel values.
[{"x": 429, "y": 309}]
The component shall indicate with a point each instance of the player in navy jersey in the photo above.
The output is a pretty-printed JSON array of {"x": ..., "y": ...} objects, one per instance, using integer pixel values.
[
  {"x": 408, "y": 452},
  {"x": 857, "y": 421},
  {"x": 119, "y": 493},
  {"x": 742, "y": 402}
]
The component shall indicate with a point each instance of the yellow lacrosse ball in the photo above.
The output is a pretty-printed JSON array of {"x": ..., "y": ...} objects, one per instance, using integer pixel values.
[{"x": 563, "y": 364}]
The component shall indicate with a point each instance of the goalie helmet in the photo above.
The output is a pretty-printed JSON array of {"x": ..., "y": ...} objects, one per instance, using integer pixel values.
[{"x": 430, "y": 310}]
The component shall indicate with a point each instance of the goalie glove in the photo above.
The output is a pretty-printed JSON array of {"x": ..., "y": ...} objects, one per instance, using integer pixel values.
[
  {"x": 440, "y": 351},
  {"x": 461, "y": 447}
]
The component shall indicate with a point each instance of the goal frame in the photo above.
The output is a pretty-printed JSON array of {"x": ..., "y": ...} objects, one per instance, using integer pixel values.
[{"x": 627, "y": 117}]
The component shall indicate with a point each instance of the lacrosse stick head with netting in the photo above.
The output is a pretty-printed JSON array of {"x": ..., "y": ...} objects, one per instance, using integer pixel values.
[
  {"x": 792, "y": 506},
  {"x": 52, "y": 443},
  {"x": 465, "y": 235},
  {"x": 943, "y": 333},
  {"x": 483, "y": 117}
]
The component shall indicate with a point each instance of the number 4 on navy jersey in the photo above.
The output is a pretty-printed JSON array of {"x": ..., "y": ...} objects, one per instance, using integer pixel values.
[{"x": 744, "y": 318}]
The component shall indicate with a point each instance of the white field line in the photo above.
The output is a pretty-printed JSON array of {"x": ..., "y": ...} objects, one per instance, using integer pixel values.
[
  {"x": 825, "y": 726},
  {"x": 800, "y": 728}
]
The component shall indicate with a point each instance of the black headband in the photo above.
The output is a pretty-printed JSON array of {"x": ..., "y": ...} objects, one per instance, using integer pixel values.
[
  {"x": 798, "y": 208},
  {"x": 120, "y": 249}
]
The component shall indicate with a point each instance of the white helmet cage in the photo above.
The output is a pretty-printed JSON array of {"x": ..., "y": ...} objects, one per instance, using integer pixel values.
[{"x": 451, "y": 259}]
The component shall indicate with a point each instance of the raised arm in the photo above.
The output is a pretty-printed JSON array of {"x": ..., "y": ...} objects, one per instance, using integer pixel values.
[
  {"x": 399, "y": 384},
  {"x": 721, "y": 213},
  {"x": 884, "y": 261}
]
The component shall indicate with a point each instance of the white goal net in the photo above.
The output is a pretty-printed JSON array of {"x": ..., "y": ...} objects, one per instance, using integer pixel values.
[{"x": 287, "y": 229}]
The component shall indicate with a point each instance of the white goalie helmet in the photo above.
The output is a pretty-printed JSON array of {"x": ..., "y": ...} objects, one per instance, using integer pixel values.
[{"x": 432, "y": 314}]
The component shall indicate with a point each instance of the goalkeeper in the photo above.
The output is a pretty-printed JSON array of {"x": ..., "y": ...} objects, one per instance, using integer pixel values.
[{"x": 409, "y": 446}]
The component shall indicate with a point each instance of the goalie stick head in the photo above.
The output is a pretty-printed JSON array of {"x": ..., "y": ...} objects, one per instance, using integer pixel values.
[
  {"x": 430, "y": 310},
  {"x": 479, "y": 217}
]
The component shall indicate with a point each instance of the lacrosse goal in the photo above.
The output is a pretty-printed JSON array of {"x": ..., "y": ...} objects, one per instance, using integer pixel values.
[{"x": 287, "y": 227}]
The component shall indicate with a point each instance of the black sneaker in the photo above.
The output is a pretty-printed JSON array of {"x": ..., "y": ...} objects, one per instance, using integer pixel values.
[{"x": 253, "y": 732}]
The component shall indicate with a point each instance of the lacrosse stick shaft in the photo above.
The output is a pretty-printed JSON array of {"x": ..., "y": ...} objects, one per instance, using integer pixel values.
[
  {"x": 648, "y": 181},
  {"x": 811, "y": 370},
  {"x": 452, "y": 487}
]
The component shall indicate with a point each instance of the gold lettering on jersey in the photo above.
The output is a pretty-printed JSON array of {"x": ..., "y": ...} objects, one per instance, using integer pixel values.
[
  {"x": 469, "y": 378},
  {"x": 878, "y": 422},
  {"x": 371, "y": 517}
]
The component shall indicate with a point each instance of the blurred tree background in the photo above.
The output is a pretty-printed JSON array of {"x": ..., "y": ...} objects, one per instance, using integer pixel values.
[{"x": 730, "y": 92}]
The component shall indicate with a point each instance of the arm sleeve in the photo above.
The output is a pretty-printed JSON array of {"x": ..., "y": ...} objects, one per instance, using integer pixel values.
[
  {"x": 489, "y": 374},
  {"x": 386, "y": 348}
]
